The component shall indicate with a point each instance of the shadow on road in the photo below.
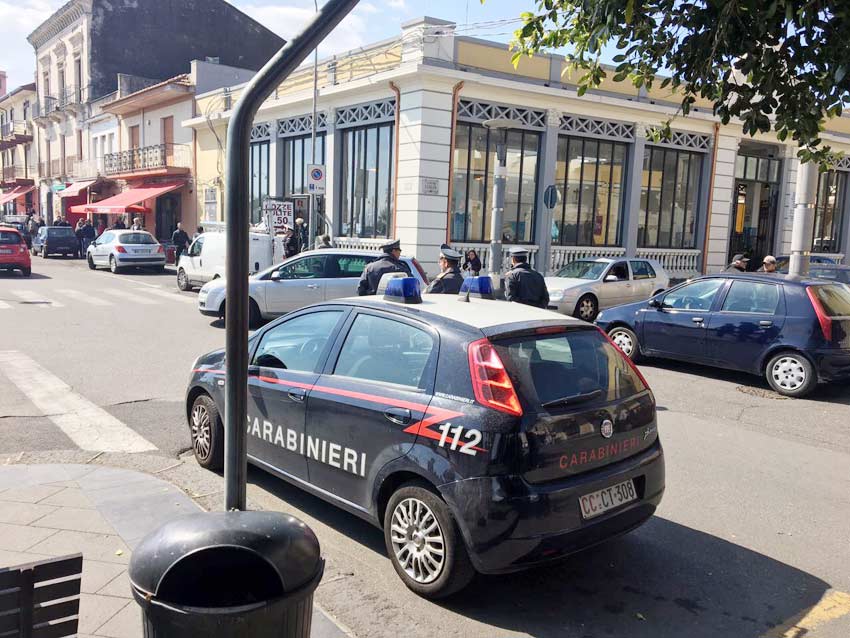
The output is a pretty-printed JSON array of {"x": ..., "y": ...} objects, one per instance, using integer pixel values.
[
  {"x": 13, "y": 274},
  {"x": 663, "y": 580}
]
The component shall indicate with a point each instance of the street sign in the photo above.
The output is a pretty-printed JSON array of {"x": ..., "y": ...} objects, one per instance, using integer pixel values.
[
  {"x": 550, "y": 196},
  {"x": 279, "y": 214},
  {"x": 316, "y": 179}
]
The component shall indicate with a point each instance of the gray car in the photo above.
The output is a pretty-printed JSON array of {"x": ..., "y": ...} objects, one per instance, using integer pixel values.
[
  {"x": 120, "y": 249},
  {"x": 584, "y": 287}
]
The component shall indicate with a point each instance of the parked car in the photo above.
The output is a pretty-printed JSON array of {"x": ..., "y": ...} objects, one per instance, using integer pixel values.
[
  {"x": 309, "y": 277},
  {"x": 481, "y": 436},
  {"x": 794, "y": 331},
  {"x": 585, "y": 286},
  {"x": 783, "y": 261},
  {"x": 205, "y": 259},
  {"x": 20, "y": 225},
  {"x": 13, "y": 251},
  {"x": 119, "y": 249},
  {"x": 56, "y": 240},
  {"x": 833, "y": 272}
]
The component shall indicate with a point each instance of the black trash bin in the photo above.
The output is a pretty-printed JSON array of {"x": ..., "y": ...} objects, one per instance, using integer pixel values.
[{"x": 227, "y": 574}]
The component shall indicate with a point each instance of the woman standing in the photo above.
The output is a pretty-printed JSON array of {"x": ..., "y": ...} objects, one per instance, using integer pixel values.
[{"x": 472, "y": 264}]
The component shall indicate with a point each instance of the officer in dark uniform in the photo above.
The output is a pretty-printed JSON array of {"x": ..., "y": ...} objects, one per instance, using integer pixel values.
[
  {"x": 373, "y": 272},
  {"x": 523, "y": 284},
  {"x": 449, "y": 281}
]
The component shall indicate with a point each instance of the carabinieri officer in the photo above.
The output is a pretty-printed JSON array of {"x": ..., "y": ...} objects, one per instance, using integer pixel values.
[
  {"x": 449, "y": 281},
  {"x": 373, "y": 272},
  {"x": 523, "y": 284}
]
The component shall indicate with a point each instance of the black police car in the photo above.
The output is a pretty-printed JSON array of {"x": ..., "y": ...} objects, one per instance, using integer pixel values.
[{"x": 480, "y": 435}]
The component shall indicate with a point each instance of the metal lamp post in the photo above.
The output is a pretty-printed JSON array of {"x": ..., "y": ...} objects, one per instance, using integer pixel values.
[
  {"x": 804, "y": 219},
  {"x": 313, "y": 218},
  {"x": 499, "y": 128}
]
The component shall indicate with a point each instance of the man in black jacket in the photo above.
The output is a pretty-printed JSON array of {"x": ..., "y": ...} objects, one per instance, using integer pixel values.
[
  {"x": 180, "y": 239},
  {"x": 373, "y": 272},
  {"x": 523, "y": 284},
  {"x": 290, "y": 244},
  {"x": 449, "y": 281}
]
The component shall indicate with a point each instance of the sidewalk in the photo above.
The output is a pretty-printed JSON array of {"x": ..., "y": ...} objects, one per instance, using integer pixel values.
[{"x": 103, "y": 512}]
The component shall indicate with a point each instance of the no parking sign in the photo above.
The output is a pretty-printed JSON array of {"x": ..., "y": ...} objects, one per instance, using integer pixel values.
[{"x": 316, "y": 179}]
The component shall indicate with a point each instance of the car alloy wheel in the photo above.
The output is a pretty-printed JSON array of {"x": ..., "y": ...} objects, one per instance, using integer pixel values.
[
  {"x": 113, "y": 266},
  {"x": 586, "y": 308},
  {"x": 182, "y": 280},
  {"x": 789, "y": 373},
  {"x": 90, "y": 262},
  {"x": 201, "y": 431},
  {"x": 623, "y": 340},
  {"x": 418, "y": 541}
]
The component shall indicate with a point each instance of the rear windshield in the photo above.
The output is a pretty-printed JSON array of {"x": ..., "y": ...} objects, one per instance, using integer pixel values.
[
  {"x": 835, "y": 299},
  {"x": 136, "y": 238},
  {"x": 579, "y": 366},
  {"x": 7, "y": 237},
  {"x": 60, "y": 231},
  {"x": 583, "y": 269}
]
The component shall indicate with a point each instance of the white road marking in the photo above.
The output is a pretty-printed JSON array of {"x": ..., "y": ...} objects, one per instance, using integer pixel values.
[
  {"x": 86, "y": 297},
  {"x": 129, "y": 296},
  {"x": 87, "y": 425},
  {"x": 36, "y": 299},
  {"x": 170, "y": 295},
  {"x": 4, "y": 305}
]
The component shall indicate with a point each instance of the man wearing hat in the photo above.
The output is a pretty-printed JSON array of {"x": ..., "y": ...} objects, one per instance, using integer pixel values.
[
  {"x": 769, "y": 264},
  {"x": 523, "y": 284},
  {"x": 373, "y": 272},
  {"x": 449, "y": 281},
  {"x": 739, "y": 264}
]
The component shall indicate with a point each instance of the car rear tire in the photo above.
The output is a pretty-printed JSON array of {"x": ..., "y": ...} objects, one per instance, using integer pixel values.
[
  {"x": 791, "y": 374},
  {"x": 207, "y": 432},
  {"x": 183, "y": 280},
  {"x": 44, "y": 252},
  {"x": 26, "y": 272},
  {"x": 424, "y": 543},
  {"x": 586, "y": 308},
  {"x": 627, "y": 341},
  {"x": 113, "y": 266},
  {"x": 90, "y": 262},
  {"x": 255, "y": 319}
]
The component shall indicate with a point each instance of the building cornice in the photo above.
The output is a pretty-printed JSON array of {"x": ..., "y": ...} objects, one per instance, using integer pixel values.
[{"x": 67, "y": 15}]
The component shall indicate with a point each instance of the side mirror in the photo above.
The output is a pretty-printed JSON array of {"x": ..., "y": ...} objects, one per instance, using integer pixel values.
[
  {"x": 611, "y": 278},
  {"x": 275, "y": 276},
  {"x": 655, "y": 302}
]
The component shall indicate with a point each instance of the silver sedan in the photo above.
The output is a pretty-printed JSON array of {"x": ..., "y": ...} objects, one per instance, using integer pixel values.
[
  {"x": 584, "y": 287},
  {"x": 119, "y": 249}
]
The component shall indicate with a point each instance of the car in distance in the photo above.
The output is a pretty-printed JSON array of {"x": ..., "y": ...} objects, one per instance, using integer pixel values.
[
  {"x": 205, "y": 260},
  {"x": 56, "y": 240},
  {"x": 784, "y": 261},
  {"x": 585, "y": 286},
  {"x": 793, "y": 331},
  {"x": 833, "y": 272},
  {"x": 14, "y": 254},
  {"x": 309, "y": 277},
  {"x": 120, "y": 249},
  {"x": 482, "y": 436}
]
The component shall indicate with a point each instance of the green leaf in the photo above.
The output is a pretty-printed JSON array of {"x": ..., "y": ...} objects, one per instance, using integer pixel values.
[{"x": 630, "y": 11}]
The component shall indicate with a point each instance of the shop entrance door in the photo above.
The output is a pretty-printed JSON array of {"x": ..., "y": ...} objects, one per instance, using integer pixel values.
[
  {"x": 754, "y": 209},
  {"x": 167, "y": 216}
]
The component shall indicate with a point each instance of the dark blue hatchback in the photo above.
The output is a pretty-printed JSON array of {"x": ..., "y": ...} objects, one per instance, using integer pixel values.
[{"x": 794, "y": 331}]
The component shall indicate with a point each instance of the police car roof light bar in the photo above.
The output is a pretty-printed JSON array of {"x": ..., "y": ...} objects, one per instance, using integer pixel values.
[
  {"x": 237, "y": 205},
  {"x": 403, "y": 290},
  {"x": 479, "y": 287}
]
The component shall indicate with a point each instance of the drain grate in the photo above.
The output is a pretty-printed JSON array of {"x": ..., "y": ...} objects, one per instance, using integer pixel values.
[{"x": 760, "y": 392}]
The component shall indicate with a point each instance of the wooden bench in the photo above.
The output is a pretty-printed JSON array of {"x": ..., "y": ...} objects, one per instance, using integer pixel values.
[{"x": 41, "y": 600}]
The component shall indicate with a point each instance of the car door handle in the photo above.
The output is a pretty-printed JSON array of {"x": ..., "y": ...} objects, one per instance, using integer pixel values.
[
  {"x": 765, "y": 324},
  {"x": 697, "y": 319},
  {"x": 312, "y": 286},
  {"x": 401, "y": 416},
  {"x": 297, "y": 394},
  {"x": 253, "y": 371}
]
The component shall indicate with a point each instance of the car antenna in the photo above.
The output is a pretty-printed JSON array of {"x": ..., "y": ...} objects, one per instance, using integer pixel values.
[{"x": 465, "y": 298}]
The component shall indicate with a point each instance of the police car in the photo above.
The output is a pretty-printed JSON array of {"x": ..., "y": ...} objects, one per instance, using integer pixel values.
[{"x": 480, "y": 435}]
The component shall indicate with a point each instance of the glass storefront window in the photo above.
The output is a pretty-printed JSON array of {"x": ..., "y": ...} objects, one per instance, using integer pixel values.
[
  {"x": 830, "y": 211},
  {"x": 367, "y": 181},
  {"x": 472, "y": 185},
  {"x": 259, "y": 178},
  {"x": 297, "y": 153},
  {"x": 669, "y": 195}
]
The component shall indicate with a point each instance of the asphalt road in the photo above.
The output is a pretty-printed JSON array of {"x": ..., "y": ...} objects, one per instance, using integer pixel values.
[{"x": 750, "y": 540}]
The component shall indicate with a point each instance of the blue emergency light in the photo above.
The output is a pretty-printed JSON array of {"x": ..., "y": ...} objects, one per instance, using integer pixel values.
[
  {"x": 479, "y": 287},
  {"x": 403, "y": 290}
]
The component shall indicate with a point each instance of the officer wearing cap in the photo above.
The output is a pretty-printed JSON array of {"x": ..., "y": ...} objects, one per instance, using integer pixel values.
[
  {"x": 523, "y": 284},
  {"x": 449, "y": 281},
  {"x": 373, "y": 272},
  {"x": 739, "y": 264}
]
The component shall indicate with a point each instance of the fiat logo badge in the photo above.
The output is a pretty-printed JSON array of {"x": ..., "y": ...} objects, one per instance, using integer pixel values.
[{"x": 607, "y": 428}]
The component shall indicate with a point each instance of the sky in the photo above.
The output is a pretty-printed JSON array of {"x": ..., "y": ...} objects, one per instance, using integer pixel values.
[{"x": 371, "y": 21}]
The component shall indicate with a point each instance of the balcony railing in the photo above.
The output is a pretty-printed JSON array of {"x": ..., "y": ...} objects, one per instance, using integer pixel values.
[
  {"x": 72, "y": 96},
  {"x": 680, "y": 263},
  {"x": 147, "y": 158},
  {"x": 89, "y": 168},
  {"x": 46, "y": 108},
  {"x": 562, "y": 255},
  {"x": 18, "y": 171},
  {"x": 15, "y": 128}
]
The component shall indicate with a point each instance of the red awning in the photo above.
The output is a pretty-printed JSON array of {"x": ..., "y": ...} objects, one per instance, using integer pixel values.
[
  {"x": 15, "y": 193},
  {"x": 122, "y": 201},
  {"x": 76, "y": 188}
]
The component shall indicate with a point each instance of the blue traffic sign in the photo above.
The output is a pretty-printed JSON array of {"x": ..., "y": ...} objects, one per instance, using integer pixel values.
[{"x": 550, "y": 196}]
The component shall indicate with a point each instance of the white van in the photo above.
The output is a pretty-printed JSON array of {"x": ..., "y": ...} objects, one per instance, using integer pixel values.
[{"x": 205, "y": 259}]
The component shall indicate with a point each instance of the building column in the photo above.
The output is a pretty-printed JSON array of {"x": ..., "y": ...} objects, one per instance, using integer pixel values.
[
  {"x": 631, "y": 221},
  {"x": 723, "y": 196},
  {"x": 788, "y": 186},
  {"x": 275, "y": 162},
  {"x": 845, "y": 228},
  {"x": 424, "y": 157},
  {"x": 333, "y": 172},
  {"x": 547, "y": 161}
]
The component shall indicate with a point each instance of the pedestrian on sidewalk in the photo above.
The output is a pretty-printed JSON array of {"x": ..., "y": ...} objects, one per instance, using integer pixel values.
[
  {"x": 472, "y": 264},
  {"x": 739, "y": 264},
  {"x": 198, "y": 231},
  {"x": 180, "y": 239},
  {"x": 769, "y": 264},
  {"x": 119, "y": 223},
  {"x": 78, "y": 231},
  {"x": 137, "y": 224},
  {"x": 88, "y": 234},
  {"x": 290, "y": 243},
  {"x": 324, "y": 242}
]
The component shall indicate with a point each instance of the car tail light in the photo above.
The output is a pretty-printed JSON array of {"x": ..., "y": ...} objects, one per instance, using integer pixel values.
[
  {"x": 120, "y": 249},
  {"x": 22, "y": 249},
  {"x": 629, "y": 361},
  {"x": 824, "y": 319},
  {"x": 160, "y": 249},
  {"x": 490, "y": 380},
  {"x": 419, "y": 268}
]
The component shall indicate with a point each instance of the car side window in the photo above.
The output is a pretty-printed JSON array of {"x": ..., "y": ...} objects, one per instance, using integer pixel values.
[
  {"x": 298, "y": 343},
  {"x": 306, "y": 268},
  {"x": 342, "y": 266},
  {"x": 195, "y": 248},
  {"x": 642, "y": 270},
  {"x": 106, "y": 238},
  {"x": 620, "y": 270},
  {"x": 385, "y": 350},
  {"x": 749, "y": 296},
  {"x": 696, "y": 296}
]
